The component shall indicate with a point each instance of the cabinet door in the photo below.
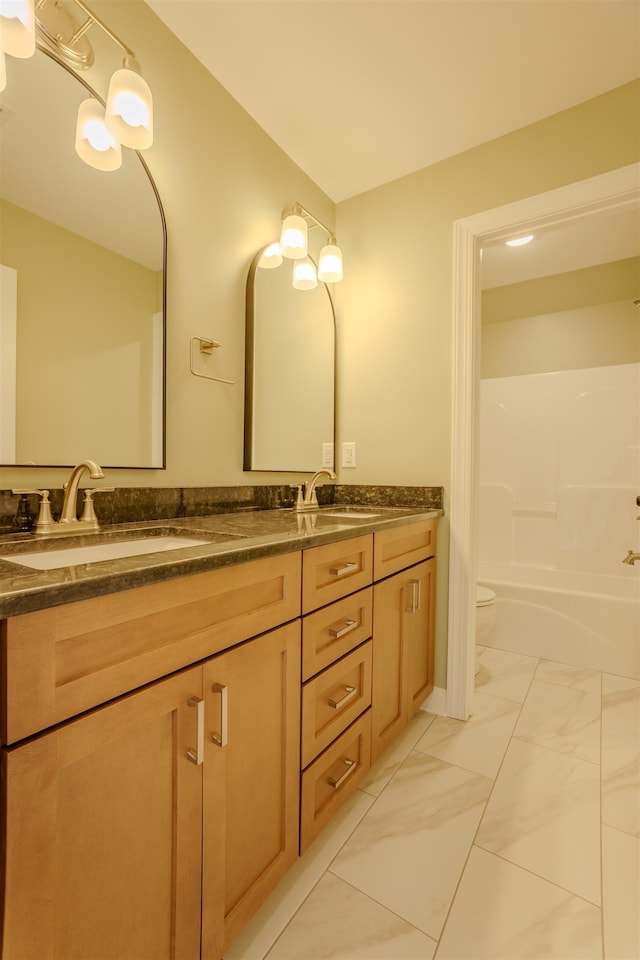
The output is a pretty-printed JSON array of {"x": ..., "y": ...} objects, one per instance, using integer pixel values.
[
  {"x": 103, "y": 832},
  {"x": 251, "y": 779},
  {"x": 419, "y": 633},
  {"x": 388, "y": 701},
  {"x": 403, "y": 636}
]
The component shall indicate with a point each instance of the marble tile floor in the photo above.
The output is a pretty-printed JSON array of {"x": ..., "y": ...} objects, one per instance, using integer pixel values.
[{"x": 515, "y": 835}]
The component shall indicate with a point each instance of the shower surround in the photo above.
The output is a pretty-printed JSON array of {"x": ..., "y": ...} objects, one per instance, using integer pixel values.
[{"x": 559, "y": 472}]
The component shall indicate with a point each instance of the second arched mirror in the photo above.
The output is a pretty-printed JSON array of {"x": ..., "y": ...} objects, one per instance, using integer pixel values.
[{"x": 289, "y": 372}]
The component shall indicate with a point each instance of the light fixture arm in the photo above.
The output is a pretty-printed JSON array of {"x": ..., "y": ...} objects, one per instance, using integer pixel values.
[
  {"x": 91, "y": 19},
  {"x": 312, "y": 221}
]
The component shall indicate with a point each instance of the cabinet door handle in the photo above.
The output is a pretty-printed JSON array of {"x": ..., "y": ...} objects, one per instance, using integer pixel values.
[
  {"x": 336, "y": 633},
  {"x": 336, "y": 704},
  {"x": 414, "y": 598},
  {"x": 336, "y": 782},
  {"x": 197, "y": 756},
  {"x": 221, "y": 738},
  {"x": 348, "y": 567}
]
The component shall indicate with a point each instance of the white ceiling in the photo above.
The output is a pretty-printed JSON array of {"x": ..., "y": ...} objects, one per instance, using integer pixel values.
[
  {"x": 360, "y": 92},
  {"x": 600, "y": 237}
]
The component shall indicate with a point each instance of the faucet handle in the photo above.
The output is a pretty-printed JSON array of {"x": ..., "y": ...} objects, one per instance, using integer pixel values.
[
  {"x": 44, "y": 520},
  {"x": 88, "y": 511}
]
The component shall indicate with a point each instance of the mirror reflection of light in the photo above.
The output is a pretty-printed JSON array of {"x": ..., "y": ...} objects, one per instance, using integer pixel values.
[
  {"x": 95, "y": 143},
  {"x": 304, "y": 275},
  {"x": 98, "y": 136},
  {"x": 330, "y": 264},
  {"x": 519, "y": 241},
  {"x": 271, "y": 257}
]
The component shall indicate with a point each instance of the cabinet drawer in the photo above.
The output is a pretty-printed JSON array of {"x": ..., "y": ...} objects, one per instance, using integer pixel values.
[
  {"x": 64, "y": 660},
  {"x": 333, "y": 777},
  {"x": 335, "y": 570},
  {"x": 333, "y": 631},
  {"x": 401, "y": 547},
  {"x": 333, "y": 699}
]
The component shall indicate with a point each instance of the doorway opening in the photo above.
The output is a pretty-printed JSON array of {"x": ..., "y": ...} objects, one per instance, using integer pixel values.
[{"x": 609, "y": 191}]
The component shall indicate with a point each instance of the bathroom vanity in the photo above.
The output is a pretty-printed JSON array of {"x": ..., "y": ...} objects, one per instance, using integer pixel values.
[{"x": 171, "y": 747}]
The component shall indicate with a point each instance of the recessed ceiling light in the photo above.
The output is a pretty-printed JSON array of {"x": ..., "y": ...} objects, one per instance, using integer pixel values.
[{"x": 519, "y": 241}]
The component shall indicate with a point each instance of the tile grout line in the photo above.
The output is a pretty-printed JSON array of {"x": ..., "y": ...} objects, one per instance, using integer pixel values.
[{"x": 473, "y": 840}]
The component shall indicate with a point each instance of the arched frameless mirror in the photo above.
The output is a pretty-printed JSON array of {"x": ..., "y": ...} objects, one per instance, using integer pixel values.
[
  {"x": 82, "y": 291},
  {"x": 289, "y": 372}
]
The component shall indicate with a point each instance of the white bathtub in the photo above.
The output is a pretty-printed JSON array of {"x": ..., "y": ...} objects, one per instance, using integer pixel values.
[{"x": 586, "y": 619}]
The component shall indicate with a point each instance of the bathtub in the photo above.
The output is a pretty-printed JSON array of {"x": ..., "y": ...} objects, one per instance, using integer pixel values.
[{"x": 586, "y": 619}]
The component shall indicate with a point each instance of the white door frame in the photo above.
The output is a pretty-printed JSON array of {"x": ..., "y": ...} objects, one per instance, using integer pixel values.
[{"x": 615, "y": 189}]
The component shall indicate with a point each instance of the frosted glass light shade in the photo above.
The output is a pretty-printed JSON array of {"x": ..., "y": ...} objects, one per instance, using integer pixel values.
[
  {"x": 304, "y": 275},
  {"x": 271, "y": 257},
  {"x": 17, "y": 27},
  {"x": 293, "y": 239},
  {"x": 95, "y": 144},
  {"x": 330, "y": 264},
  {"x": 129, "y": 110}
]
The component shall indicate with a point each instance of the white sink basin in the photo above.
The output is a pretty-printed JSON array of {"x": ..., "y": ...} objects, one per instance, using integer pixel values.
[
  {"x": 350, "y": 514},
  {"x": 72, "y": 556}
]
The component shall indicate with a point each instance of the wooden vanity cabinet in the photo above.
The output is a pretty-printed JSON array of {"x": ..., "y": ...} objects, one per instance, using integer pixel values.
[
  {"x": 169, "y": 749},
  {"x": 403, "y": 628},
  {"x": 128, "y": 830}
]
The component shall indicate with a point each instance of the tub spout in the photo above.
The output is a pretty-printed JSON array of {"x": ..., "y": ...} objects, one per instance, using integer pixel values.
[{"x": 631, "y": 557}]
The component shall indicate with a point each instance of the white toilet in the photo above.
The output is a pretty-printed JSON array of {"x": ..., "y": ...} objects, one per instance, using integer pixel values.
[{"x": 485, "y": 617}]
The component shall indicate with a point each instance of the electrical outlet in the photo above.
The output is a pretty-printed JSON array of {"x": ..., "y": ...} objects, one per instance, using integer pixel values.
[
  {"x": 349, "y": 454},
  {"x": 327, "y": 455}
]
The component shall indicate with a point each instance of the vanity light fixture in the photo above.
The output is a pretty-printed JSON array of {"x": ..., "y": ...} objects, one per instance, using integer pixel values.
[
  {"x": 519, "y": 241},
  {"x": 17, "y": 27},
  {"x": 293, "y": 244},
  {"x": 129, "y": 110},
  {"x": 128, "y": 116},
  {"x": 304, "y": 274},
  {"x": 294, "y": 235}
]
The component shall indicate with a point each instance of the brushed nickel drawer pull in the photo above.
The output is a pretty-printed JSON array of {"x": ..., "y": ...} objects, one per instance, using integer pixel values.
[
  {"x": 343, "y": 631},
  {"x": 348, "y": 567},
  {"x": 197, "y": 756},
  {"x": 336, "y": 704},
  {"x": 220, "y": 739},
  {"x": 336, "y": 782},
  {"x": 414, "y": 600}
]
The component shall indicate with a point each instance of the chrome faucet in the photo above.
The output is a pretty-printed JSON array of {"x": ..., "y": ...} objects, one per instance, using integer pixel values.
[
  {"x": 310, "y": 499},
  {"x": 631, "y": 557}
]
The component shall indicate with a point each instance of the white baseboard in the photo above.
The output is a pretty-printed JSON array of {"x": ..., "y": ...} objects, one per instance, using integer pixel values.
[{"x": 436, "y": 702}]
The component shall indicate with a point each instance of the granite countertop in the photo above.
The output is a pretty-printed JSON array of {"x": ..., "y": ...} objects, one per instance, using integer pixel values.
[{"x": 228, "y": 538}]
